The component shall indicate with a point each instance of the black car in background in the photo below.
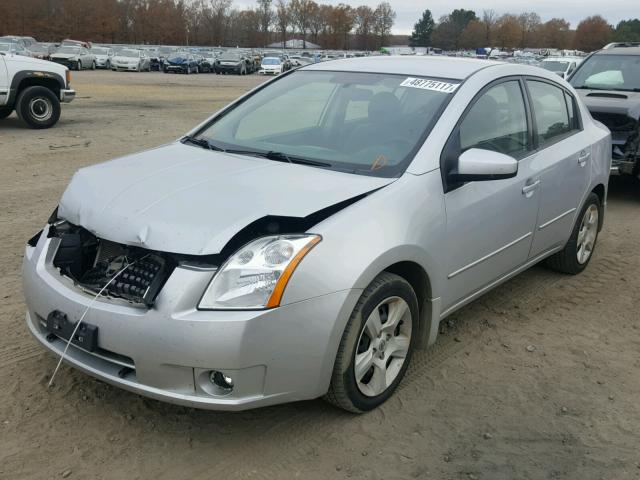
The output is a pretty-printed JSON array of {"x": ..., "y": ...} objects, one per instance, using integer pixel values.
[
  {"x": 608, "y": 81},
  {"x": 234, "y": 62}
]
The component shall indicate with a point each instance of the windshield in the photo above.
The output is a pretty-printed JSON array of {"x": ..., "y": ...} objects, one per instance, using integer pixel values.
[
  {"x": 609, "y": 72},
  {"x": 230, "y": 56},
  {"x": 554, "y": 66},
  {"x": 68, "y": 50},
  {"x": 5, "y": 47},
  {"x": 364, "y": 123},
  {"x": 271, "y": 61},
  {"x": 99, "y": 51},
  {"x": 129, "y": 53}
]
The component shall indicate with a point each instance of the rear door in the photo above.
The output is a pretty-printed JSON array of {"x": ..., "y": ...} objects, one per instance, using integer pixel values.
[
  {"x": 490, "y": 223},
  {"x": 562, "y": 159}
]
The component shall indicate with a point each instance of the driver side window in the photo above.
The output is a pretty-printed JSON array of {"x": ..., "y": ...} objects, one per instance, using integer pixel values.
[{"x": 497, "y": 121}]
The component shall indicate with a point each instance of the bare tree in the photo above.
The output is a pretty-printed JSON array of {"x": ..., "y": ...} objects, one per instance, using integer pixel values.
[{"x": 283, "y": 19}]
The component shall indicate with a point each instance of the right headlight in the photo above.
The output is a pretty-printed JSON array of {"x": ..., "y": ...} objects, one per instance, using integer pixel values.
[{"x": 256, "y": 275}]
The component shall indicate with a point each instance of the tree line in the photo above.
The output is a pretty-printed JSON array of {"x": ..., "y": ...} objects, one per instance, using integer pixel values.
[
  {"x": 199, "y": 22},
  {"x": 463, "y": 29}
]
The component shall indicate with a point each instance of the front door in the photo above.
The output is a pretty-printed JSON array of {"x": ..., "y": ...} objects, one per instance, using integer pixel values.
[{"x": 490, "y": 224}]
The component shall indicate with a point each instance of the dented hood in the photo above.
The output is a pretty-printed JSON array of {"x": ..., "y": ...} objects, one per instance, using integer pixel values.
[{"x": 185, "y": 199}]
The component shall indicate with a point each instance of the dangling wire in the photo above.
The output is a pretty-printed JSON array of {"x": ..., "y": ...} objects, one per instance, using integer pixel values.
[{"x": 64, "y": 352}]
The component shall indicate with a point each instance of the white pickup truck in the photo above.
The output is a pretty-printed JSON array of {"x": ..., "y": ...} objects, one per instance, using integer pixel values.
[{"x": 34, "y": 89}]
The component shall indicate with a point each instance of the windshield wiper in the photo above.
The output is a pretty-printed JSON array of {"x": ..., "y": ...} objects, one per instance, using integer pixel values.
[
  {"x": 201, "y": 142},
  {"x": 280, "y": 157}
]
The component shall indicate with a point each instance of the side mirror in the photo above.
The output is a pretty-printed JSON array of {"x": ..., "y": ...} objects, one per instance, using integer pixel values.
[{"x": 477, "y": 164}]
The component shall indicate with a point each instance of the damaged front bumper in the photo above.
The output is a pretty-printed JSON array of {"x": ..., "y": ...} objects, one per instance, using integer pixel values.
[{"x": 169, "y": 351}]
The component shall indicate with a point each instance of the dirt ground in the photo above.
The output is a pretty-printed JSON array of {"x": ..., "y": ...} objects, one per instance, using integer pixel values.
[{"x": 540, "y": 379}]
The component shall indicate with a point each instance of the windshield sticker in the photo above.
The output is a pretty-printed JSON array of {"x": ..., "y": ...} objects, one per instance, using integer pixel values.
[{"x": 430, "y": 85}]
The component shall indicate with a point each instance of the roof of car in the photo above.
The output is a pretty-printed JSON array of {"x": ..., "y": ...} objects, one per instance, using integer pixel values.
[
  {"x": 620, "y": 51},
  {"x": 427, "y": 66}
]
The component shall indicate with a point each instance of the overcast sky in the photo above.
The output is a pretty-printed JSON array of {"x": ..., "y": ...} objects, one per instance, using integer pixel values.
[{"x": 409, "y": 11}]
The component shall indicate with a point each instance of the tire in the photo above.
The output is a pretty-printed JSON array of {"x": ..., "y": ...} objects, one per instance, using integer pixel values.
[
  {"x": 108, "y": 65},
  {"x": 393, "y": 293},
  {"x": 5, "y": 112},
  {"x": 38, "y": 107},
  {"x": 79, "y": 65},
  {"x": 93, "y": 66},
  {"x": 578, "y": 251}
]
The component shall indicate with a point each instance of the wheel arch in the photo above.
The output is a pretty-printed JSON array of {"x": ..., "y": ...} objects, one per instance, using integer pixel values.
[
  {"x": 601, "y": 191},
  {"x": 33, "y": 78}
]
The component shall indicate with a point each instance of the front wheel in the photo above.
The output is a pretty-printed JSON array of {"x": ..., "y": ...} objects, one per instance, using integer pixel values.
[
  {"x": 38, "y": 107},
  {"x": 376, "y": 346},
  {"x": 79, "y": 65},
  {"x": 578, "y": 251}
]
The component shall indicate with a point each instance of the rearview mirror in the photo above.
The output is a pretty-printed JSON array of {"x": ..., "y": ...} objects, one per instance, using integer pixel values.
[{"x": 477, "y": 164}]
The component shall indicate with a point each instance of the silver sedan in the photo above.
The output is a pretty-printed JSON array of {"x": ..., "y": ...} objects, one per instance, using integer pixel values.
[{"x": 306, "y": 239}]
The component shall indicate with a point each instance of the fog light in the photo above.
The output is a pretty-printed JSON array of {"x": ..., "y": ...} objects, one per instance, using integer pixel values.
[{"x": 221, "y": 381}]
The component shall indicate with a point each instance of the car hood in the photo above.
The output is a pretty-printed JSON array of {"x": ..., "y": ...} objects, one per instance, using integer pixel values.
[
  {"x": 185, "y": 199},
  {"x": 125, "y": 59},
  {"x": 65, "y": 55},
  {"x": 612, "y": 101}
]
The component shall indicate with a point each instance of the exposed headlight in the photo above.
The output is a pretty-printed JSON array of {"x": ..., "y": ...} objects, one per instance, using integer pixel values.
[{"x": 256, "y": 275}]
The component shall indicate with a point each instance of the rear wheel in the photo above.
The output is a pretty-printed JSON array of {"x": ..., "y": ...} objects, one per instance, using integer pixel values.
[
  {"x": 578, "y": 251},
  {"x": 38, "y": 107},
  {"x": 376, "y": 345}
]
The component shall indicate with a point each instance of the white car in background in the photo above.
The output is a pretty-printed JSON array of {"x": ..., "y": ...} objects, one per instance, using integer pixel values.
[
  {"x": 103, "y": 57},
  {"x": 132, "y": 60},
  {"x": 271, "y": 66},
  {"x": 563, "y": 66}
]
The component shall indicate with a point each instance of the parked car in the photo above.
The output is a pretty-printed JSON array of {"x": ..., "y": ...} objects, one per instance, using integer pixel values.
[
  {"x": 22, "y": 42},
  {"x": 233, "y": 62},
  {"x": 130, "y": 59},
  {"x": 181, "y": 62},
  {"x": 304, "y": 241},
  {"x": 14, "y": 49},
  {"x": 33, "y": 88},
  {"x": 562, "y": 66},
  {"x": 74, "y": 58},
  {"x": 271, "y": 66},
  {"x": 608, "y": 81},
  {"x": 208, "y": 63},
  {"x": 103, "y": 56}
]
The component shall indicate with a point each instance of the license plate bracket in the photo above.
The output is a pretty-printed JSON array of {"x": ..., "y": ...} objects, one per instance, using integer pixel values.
[{"x": 86, "y": 337}]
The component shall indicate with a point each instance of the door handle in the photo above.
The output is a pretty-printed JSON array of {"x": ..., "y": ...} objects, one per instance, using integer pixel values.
[
  {"x": 529, "y": 188},
  {"x": 583, "y": 157}
]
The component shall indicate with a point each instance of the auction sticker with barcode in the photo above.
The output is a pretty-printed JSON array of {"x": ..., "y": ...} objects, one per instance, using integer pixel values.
[{"x": 430, "y": 85}]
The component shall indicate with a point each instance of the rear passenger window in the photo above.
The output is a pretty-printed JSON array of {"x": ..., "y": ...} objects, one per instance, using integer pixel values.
[
  {"x": 497, "y": 121},
  {"x": 550, "y": 112}
]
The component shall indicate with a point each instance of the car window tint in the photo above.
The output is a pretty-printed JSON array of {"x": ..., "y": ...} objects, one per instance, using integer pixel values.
[
  {"x": 497, "y": 121},
  {"x": 550, "y": 111}
]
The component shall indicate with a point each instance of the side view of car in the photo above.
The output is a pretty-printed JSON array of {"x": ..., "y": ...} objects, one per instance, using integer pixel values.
[
  {"x": 34, "y": 89},
  {"x": 309, "y": 252},
  {"x": 74, "y": 57}
]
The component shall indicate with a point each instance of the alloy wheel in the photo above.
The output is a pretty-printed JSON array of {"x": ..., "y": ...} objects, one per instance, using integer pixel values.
[
  {"x": 383, "y": 346},
  {"x": 587, "y": 234}
]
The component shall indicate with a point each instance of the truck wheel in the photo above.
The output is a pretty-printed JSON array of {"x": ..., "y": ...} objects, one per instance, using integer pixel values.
[
  {"x": 5, "y": 112},
  {"x": 376, "y": 345},
  {"x": 38, "y": 107},
  {"x": 576, "y": 254}
]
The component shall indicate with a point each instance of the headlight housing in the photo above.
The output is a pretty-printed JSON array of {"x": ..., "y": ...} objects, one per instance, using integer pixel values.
[{"x": 256, "y": 275}]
